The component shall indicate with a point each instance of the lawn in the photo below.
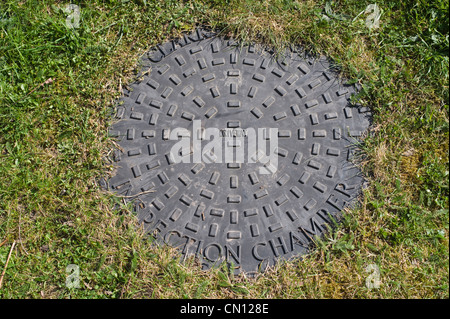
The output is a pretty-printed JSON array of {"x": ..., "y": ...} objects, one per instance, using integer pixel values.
[{"x": 61, "y": 73}]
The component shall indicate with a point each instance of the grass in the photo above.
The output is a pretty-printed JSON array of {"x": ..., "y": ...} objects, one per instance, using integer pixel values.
[{"x": 53, "y": 140}]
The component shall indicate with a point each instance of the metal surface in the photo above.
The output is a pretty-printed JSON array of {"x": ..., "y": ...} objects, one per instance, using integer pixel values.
[{"x": 248, "y": 214}]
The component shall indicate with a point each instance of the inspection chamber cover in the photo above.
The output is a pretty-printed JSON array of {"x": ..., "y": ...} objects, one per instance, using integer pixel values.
[{"x": 233, "y": 155}]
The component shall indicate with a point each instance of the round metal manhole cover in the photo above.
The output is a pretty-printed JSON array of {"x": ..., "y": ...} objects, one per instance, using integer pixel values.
[{"x": 232, "y": 155}]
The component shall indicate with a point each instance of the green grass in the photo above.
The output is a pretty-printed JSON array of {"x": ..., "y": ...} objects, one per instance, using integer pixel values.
[{"x": 53, "y": 140}]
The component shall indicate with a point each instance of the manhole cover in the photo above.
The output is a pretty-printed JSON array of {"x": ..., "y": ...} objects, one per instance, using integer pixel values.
[{"x": 234, "y": 156}]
